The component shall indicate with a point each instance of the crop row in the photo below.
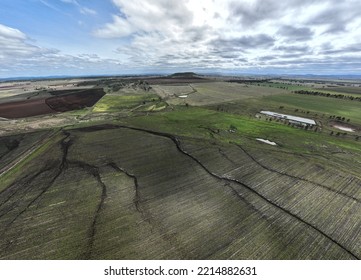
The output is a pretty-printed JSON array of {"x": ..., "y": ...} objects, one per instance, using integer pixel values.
[{"x": 123, "y": 193}]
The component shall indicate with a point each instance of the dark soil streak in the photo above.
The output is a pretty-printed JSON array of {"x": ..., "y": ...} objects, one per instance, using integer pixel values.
[
  {"x": 23, "y": 187},
  {"x": 222, "y": 178},
  {"x": 65, "y": 144},
  {"x": 227, "y": 179},
  {"x": 33, "y": 95},
  {"x": 95, "y": 219},
  {"x": 226, "y": 156},
  {"x": 210, "y": 130},
  {"x": 13, "y": 145},
  {"x": 250, "y": 205},
  {"x": 93, "y": 170},
  {"x": 136, "y": 199},
  {"x": 296, "y": 177},
  {"x": 240, "y": 197},
  {"x": 147, "y": 216}
]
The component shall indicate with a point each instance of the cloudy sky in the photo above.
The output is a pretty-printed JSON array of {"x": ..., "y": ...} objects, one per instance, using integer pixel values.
[{"x": 85, "y": 37}]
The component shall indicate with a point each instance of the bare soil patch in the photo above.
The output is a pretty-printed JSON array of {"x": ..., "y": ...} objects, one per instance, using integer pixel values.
[
  {"x": 267, "y": 141},
  {"x": 65, "y": 102},
  {"x": 74, "y": 101},
  {"x": 22, "y": 109},
  {"x": 345, "y": 126}
]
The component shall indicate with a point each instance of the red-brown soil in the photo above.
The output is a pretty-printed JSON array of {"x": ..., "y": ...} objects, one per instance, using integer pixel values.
[
  {"x": 74, "y": 101},
  {"x": 65, "y": 102},
  {"x": 22, "y": 109}
]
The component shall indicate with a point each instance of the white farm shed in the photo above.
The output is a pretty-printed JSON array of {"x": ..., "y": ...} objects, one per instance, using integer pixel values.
[{"x": 290, "y": 118}]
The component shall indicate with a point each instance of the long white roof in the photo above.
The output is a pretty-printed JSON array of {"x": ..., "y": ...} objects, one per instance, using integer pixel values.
[{"x": 289, "y": 117}]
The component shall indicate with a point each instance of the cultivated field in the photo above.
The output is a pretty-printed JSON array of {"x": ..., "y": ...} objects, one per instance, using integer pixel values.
[
  {"x": 51, "y": 102},
  {"x": 346, "y": 90},
  {"x": 146, "y": 174},
  {"x": 329, "y": 87},
  {"x": 115, "y": 103},
  {"x": 201, "y": 94},
  {"x": 31, "y": 88},
  {"x": 318, "y": 105}
]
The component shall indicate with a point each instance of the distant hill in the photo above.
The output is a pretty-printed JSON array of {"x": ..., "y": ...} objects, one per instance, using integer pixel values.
[{"x": 184, "y": 75}]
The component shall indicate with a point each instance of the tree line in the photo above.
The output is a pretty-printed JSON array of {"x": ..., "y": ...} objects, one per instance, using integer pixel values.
[{"x": 317, "y": 93}]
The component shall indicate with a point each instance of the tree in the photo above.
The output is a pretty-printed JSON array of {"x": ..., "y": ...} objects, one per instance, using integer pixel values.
[{"x": 232, "y": 128}]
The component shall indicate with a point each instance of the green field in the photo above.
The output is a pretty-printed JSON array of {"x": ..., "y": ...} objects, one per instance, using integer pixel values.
[
  {"x": 350, "y": 91},
  {"x": 346, "y": 90},
  {"x": 315, "y": 107},
  {"x": 203, "y": 94},
  {"x": 318, "y": 104},
  {"x": 114, "y": 103},
  {"x": 199, "y": 123},
  {"x": 286, "y": 86}
]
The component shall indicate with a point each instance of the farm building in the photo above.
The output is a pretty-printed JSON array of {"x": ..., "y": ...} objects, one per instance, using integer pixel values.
[{"x": 291, "y": 119}]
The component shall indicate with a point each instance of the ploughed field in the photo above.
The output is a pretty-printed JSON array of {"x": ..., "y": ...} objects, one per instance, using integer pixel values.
[
  {"x": 53, "y": 102},
  {"x": 124, "y": 192}
]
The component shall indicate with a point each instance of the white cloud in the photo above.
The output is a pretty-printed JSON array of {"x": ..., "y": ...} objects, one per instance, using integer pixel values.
[
  {"x": 87, "y": 11},
  {"x": 82, "y": 9},
  {"x": 156, "y": 35},
  {"x": 11, "y": 33},
  {"x": 13, "y": 43},
  {"x": 51, "y": 6},
  {"x": 229, "y": 33},
  {"x": 120, "y": 27},
  {"x": 165, "y": 16},
  {"x": 20, "y": 57}
]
